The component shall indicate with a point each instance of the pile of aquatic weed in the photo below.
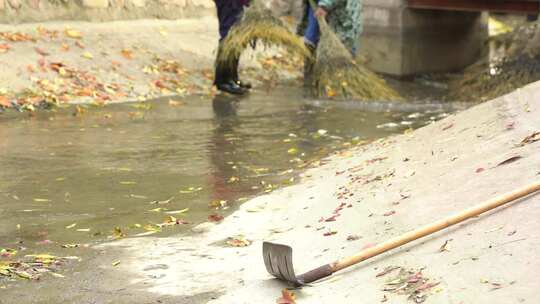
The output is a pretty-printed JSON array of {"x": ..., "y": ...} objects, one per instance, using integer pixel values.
[
  {"x": 259, "y": 26},
  {"x": 520, "y": 65},
  {"x": 337, "y": 75}
]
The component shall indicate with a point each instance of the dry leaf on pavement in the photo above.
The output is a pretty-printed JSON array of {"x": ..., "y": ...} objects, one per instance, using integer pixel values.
[
  {"x": 446, "y": 246},
  {"x": 387, "y": 270},
  {"x": 4, "y": 48},
  {"x": 87, "y": 55},
  {"x": 4, "y": 102},
  {"x": 126, "y": 53},
  {"x": 41, "y": 51},
  {"x": 287, "y": 297},
  {"x": 215, "y": 218},
  {"x": 353, "y": 237},
  {"x": 73, "y": 34},
  {"x": 238, "y": 241},
  {"x": 530, "y": 139},
  {"x": 509, "y": 160},
  {"x": 389, "y": 213}
]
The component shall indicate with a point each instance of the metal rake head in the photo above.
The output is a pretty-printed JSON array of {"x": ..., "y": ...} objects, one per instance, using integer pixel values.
[{"x": 278, "y": 262}]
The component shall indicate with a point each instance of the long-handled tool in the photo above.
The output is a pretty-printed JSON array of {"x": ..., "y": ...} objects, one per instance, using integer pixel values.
[{"x": 278, "y": 258}]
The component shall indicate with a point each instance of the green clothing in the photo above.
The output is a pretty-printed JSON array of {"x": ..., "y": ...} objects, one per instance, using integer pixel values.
[{"x": 344, "y": 16}]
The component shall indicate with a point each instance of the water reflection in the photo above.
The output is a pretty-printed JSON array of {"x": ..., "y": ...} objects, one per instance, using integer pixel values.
[{"x": 223, "y": 147}]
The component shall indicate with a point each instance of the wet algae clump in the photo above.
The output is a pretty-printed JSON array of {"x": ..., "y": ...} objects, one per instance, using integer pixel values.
[
  {"x": 259, "y": 25},
  {"x": 519, "y": 66},
  {"x": 337, "y": 75},
  {"x": 481, "y": 85}
]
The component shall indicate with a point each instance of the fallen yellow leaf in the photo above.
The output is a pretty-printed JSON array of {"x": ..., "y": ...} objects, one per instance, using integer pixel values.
[
  {"x": 238, "y": 241},
  {"x": 73, "y": 34},
  {"x": 41, "y": 200},
  {"x": 128, "y": 54},
  {"x": 87, "y": 55}
]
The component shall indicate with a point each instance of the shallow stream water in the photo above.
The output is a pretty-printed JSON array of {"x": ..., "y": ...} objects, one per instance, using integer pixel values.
[{"x": 88, "y": 175}]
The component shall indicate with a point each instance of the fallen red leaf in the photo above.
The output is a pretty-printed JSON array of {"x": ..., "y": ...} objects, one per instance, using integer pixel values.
[
  {"x": 128, "y": 54},
  {"x": 353, "y": 237},
  {"x": 160, "y": 84},
  {"x": 329, "y": 233},
  {"x": 331, "y": 219},
  {"x": 510, "y": 125},
  {"x": 377, "y": 159},
  {"x": 479, "y": 170},
  {"x": 287, "y": 297},
  {"x": 415, "y": 278},
  {"x": 369, "y": 245},
  {"x": 390, "y": 213},
  {"x": 40, "y": 51},
  {"x": 530, "y": 139},
  {"x": 427, "y": 286},
  {"x": 42, "y": 63},
  {"x": 448, "y": 126},
  {"x": 215, "y": 218},
  {"x": 4, "y": 102},
  {"x": 387, "y": 270},
  {"x": 4, "y": 48},
  {"x": 509, "y": 160}
]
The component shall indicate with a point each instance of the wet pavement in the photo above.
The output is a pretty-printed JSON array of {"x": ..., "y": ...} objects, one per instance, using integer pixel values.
[{"x": 80, "y": 176}]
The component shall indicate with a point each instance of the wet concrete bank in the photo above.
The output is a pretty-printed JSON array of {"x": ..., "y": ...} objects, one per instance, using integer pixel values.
[{"x": 380, "y": 190}]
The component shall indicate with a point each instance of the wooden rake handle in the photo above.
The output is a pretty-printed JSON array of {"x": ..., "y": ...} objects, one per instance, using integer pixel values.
[{"x": 434, "y": 227}]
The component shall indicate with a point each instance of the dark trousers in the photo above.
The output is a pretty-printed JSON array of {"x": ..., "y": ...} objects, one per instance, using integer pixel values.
[{"x": 228, "y": 12}]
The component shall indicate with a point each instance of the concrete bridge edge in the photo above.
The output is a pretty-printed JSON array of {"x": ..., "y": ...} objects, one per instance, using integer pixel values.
[{"x": 402, "y": 42}]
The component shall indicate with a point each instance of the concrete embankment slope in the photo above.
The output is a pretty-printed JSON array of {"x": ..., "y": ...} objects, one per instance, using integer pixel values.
[{"x": 388, "y": 187}]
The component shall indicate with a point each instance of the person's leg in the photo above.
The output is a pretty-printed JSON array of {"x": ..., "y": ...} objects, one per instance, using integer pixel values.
[
  {"x": 312, "y": 34},
  {"x": 226, "y": 74},
  {"x": 311, "y": 39},
  {"x": 228, "y": 12}
]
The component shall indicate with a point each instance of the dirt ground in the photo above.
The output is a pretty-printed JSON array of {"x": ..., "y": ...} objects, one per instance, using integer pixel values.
[{"x": 73, "y": 62}]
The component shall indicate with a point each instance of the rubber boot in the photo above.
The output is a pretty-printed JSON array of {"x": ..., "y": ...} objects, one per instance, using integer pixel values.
[{"x": 234, "y": 69}]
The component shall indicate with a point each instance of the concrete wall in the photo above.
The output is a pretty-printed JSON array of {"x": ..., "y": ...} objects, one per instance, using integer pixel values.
[
  {"x": 400, "y": 41},
  {"x": 18, "y": 11}
]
